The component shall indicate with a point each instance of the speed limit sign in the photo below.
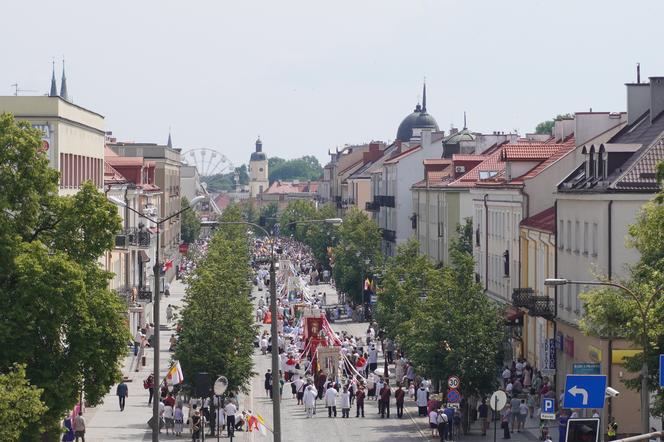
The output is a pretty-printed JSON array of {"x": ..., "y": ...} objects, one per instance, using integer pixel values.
[{"x": 453, "y": 382}]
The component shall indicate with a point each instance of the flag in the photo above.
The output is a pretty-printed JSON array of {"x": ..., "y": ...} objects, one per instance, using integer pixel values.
[
  {"x": 174, "y": 374},
  {"x": 261, "y": 425}
]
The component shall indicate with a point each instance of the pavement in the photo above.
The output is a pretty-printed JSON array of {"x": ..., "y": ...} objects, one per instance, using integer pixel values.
[{"x": 106, "y": 423}]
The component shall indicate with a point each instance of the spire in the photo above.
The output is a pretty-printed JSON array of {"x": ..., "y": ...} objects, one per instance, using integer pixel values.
[
  {"x": 259, "y": 145},
  {"x": 63, "y": 84},
  {"x": 54, "y": 89},
  {"x": 464, "y": 120},
  {"x": 424, "y": 97},
  {"x": 169, "y": 143}
]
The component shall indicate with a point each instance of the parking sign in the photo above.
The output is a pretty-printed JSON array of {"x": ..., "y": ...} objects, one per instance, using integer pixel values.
[{"x": 548, "y": 408}]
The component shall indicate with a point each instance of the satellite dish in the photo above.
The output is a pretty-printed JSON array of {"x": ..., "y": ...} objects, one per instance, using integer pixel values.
[
  {"x": 498, "y": 400},
  {"x": 220, "y": 385}
]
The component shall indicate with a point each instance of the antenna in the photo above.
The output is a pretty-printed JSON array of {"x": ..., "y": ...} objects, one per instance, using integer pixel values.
[{"x": 17, "y": 89}]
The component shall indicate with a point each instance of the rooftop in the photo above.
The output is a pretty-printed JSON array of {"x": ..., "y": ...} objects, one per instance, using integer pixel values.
[{"x": 545, "y": 221}]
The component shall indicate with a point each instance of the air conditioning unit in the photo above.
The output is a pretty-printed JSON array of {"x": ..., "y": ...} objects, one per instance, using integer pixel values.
[{"x": 460, "y": 169}]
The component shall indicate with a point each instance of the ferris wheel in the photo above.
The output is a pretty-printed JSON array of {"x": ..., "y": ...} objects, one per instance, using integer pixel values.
[{"x": 208, "y": 161}]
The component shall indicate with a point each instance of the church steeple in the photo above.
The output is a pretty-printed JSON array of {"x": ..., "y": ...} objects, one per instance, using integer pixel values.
[
  {"x": 169, "y": 143},
  {"x": 424, "y": 97},
  {"x": 54, "y": 89},
  {"x": 259, "y": 145},
  {"x": 63, "y": 83}
]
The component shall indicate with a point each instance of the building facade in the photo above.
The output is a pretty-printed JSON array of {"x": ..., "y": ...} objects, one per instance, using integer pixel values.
[{"x": 258, "y": 171}]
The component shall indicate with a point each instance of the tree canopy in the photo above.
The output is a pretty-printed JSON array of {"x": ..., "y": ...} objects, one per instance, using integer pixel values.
[
  {"x": 190, "y": 225},
  {"x": 304, "y": 169},
  {"x": 218, "y": 309},
  {"x": 59, "y": 318},
  {"x": 546, "y": 127},
  {"x": 21, "y": 405}
]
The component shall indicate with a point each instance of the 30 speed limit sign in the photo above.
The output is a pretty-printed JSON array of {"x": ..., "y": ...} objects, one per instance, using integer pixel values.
[{"x": 453, "y": 382}]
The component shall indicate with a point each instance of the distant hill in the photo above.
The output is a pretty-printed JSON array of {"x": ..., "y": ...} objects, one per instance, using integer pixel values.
[{"x": 304, "y": 169}]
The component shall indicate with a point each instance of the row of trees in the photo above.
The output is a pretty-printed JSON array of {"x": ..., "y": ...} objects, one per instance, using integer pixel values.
[
  {"x": 62, "y": 331},
  {"x": 442, "y": 317},
  {"x": 217, "y": 322}
]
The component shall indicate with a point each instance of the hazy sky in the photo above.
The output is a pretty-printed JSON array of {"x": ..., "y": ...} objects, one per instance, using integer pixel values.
[{"x": 311, "y": 75}]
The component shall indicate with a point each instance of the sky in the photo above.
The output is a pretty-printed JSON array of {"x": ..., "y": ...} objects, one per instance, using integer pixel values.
[{"x": 309, "y": 76}]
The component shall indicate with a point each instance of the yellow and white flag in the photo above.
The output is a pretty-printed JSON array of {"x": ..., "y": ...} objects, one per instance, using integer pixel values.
[{"x": 175, "y": 375}]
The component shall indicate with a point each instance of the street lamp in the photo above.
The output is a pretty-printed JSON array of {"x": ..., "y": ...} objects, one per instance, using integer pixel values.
[
  {"x": 643, "y": 310},
  {"x": 276, "y": 410},
  {"x": 155, "y": 304}
]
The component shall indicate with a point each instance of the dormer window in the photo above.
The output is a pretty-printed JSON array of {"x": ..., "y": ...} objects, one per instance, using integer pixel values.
[
  {"x": 602, "y": 163},
  {"x": 592, "y": 164}
]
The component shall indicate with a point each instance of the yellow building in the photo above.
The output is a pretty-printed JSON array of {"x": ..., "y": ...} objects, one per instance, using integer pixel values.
[{"x": 73, "y": 137}]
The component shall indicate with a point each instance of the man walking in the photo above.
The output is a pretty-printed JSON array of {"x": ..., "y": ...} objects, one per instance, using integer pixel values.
[
  {"x": 359, "y": 401},
  {"x": 483, "y": 411},
  {"x": 331, "y": 401},
  {"x": 385, "y": 394},
  {"x": 79, "y": 427},
  {"x": 122, "y": 391},
  {"x": 399, "y": 396},
  {"x": 309, "y": 399}
]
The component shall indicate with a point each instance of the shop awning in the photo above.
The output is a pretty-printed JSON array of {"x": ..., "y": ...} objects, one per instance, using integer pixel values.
[
  {"x": 513, "y": 316},
  {"x": 144, "y": 256}
]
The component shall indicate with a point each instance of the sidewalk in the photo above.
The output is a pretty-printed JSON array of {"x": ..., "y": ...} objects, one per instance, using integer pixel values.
[{"x": 106, "y": 422}]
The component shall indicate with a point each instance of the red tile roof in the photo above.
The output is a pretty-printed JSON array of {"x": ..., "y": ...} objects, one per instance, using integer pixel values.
[
  {"x": 112, "y": 176},
  {"x": 285, "y": 187},
  {"x": 544, "y": 221}
]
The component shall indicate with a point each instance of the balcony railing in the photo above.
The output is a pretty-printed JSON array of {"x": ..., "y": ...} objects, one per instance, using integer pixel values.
[
  {"x": 132, "y": 237},
  {"x": 372, "y": 207},
  {"x": 389, "y": 235},
  {"x": 384, "y": 200},
  {"x": 541, "y": 306},
  {"x": 121, "y": 241},
  {"x": 522, "y": 297}
]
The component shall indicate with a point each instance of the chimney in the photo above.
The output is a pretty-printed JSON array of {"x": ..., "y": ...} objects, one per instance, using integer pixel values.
[
  {"x": 563, "y": 128},
  {"x": 638, "y": 100},
  {"x": 656, "y": 97}
]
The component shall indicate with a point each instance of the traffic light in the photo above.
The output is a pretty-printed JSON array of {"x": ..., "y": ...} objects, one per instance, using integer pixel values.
[{"x": 582, "y": 430}]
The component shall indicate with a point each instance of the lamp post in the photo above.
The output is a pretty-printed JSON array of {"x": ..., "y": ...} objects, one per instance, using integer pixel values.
[
  {"x": 276, "y": 407},
  {"x": 155, "y": 305},
  {"x": 643, "y": 310}
]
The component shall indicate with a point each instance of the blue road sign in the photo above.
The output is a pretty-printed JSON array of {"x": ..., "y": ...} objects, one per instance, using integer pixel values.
[
  {"x": 453, "y": 395},
  {"x": 548, "y": 405},
  {"x": 661, "y": 370},
  {"x": 584, "y": 391}
]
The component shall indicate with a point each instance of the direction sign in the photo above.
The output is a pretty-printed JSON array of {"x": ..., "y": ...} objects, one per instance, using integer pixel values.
[
  {"x": 453, "y": 395},
  {"x": 661, "y": 370},
  {"x": 584, "y": 391},
  {"x": 453, "y": 382},
  {"x": 498, "y": 400},
  {"x": 548, "y": 408}
]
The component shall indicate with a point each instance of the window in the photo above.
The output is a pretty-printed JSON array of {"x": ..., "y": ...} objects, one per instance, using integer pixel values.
[
  {"x": 577, "y": 236},
  {"x": 594, "y": 240},
  {"x": 569, "y": 236},
  {"x": 560, "y": 237},
  {"x": 585, "y": 238}
]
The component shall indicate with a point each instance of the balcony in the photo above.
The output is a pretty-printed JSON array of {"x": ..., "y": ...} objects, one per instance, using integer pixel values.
[
  {"x": 542, "y": 306},
  {"x": 134, "y": 238},
  {"x": 389, "y": 235},
  {"x": 121, "y": 241},
  {"x": 537, "y": 306},
  {"x": 372, "y": 207},
  {"x": 522, "y": 297},
  {"x": 384, "y": 200}
]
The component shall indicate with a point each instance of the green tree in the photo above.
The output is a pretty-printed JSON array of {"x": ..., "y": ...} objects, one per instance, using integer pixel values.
[
  {"x": 322, "y": 237},
  {"x": 190, "y": 226},
  {"x": 303, "y": 169},
  {"x": 59, "y": 318},
  {"x": 21, "y": 406},
  {"x": 546, "y": 127},
  {"x": 357, "y": 253},
  {"x": 296, "y": 211},
  {"x": 268, "y": 216},
  {"x": 217, "y": 328}
]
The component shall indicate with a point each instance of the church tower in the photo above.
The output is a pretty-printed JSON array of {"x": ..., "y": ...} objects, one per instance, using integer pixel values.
[{"x": 258, "y": 173}]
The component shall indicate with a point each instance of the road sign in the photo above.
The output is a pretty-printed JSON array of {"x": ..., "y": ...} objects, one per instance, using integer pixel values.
[
  {"x": 453, "y": 395},
  {"x": 453, "y": 382},
  {"x": 582, "y": 430},
  {"x": 586, "y": 368},
  {"x": 498, "y": 400},
  {"x": 548, "y": 408},
  {"x": 584, "y": 391},
  {"x": 661, "y": 370}
]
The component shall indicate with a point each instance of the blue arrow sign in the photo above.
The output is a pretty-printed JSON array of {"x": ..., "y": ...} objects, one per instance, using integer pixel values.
[
  {"x": 661, "y": 370},
  {"x": 584, "y": 391}
]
